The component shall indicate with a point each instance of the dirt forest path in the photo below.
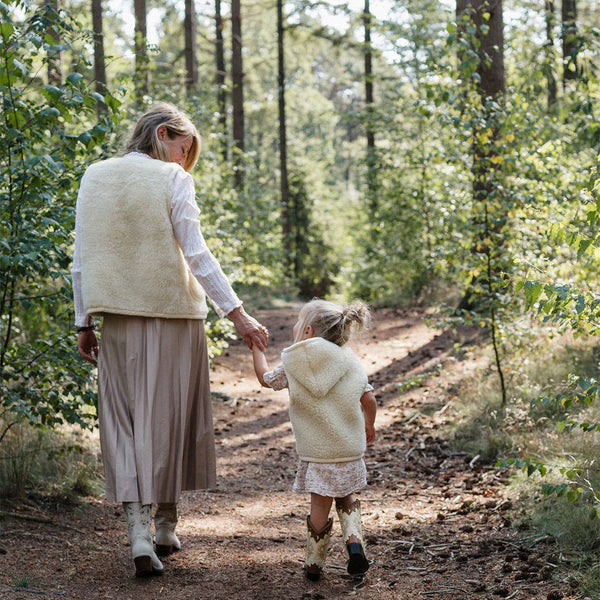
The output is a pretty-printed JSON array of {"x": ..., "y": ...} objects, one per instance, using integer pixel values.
[{"x": 436, "y": 524}]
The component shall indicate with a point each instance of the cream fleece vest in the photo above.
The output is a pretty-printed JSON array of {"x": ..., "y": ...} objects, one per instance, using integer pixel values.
[
  {"x": 131, "y": 262},
  {"x": 326, "y": 383}
]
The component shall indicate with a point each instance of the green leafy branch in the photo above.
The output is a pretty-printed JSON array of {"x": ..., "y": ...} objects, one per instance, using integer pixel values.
[
  {"x": 562, "y": 303},
  {"x": 570, "y": 489}
]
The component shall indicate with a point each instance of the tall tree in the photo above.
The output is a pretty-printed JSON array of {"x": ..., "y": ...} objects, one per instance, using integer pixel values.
[
  {"x": 99, "y": 62},
  {"x": 220, "y": 77},
  {"x": 368, "y": 50},
  {"x": 55, "y": 64},
  {"x": 569, "y": 40},
  {"x": 237, "y": 92},
  {"x": 141, "y": 50},
  {"x": 550, "y": 58},
  {"x": 191, "y": 54},
  {"x": 489, "y": 210},
  {"x": 283, "y": 167}
]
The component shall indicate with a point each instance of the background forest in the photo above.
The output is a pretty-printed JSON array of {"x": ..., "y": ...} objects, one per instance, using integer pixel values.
[{"x": 407, "y": 152}]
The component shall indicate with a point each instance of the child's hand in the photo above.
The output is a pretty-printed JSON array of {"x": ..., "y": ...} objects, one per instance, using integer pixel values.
[{"x": 370, "y": 431}]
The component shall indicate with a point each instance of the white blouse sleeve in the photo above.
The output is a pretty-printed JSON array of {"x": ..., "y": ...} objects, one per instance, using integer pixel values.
[
  {"x": 203, "y": 264},
  {"x": 80, "y": 313},
  {"x": 276, "y": 379}
]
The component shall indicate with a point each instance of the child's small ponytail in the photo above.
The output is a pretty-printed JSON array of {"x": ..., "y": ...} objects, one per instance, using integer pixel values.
[
  {"x": 356, "y": 316},
  {"x": 333, "y": 322}
]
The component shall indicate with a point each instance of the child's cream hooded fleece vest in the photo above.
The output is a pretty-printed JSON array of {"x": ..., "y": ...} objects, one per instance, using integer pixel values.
[{"x": 326, "y": 383}]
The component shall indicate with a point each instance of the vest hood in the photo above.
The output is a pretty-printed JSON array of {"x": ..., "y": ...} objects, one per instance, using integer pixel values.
[{"x": 316, "y": 364}]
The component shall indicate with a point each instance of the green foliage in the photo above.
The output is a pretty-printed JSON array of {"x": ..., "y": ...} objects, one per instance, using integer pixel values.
[
  {"x": 563, "y": 304},
  {"x": 415, "y": 233},
  {"x": 46, "y": 132}
]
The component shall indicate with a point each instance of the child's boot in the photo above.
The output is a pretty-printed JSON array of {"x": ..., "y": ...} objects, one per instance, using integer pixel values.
[
  {"x": 352, "y": 527},
  {"x": 165, "y": 521},
  {"x": 317, "y": 543},
  {"x": 138, "y": 519}
]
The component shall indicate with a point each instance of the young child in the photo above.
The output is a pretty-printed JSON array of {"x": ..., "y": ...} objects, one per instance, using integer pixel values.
[{"x": 332, "y": 410}]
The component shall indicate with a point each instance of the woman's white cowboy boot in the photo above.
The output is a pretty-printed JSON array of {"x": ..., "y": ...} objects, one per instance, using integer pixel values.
[
  {"x": 165, "y": 521},
  {"x": 138, "y": 519},
  {"x": 317, "y": 543},
  {"x": 350, "y": 522}
]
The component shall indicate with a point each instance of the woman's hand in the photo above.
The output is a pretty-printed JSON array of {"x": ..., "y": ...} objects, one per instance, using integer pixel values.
[
  {"x": 249, "y": 329},
  {"x": 87, "y": 344}
]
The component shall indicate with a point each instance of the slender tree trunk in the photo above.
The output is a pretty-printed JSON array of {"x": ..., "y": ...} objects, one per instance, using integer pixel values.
[
  {"x": 491, "y": 51},
  {"x": 99, "y": 63},
  {"x": 489, "y": 211},
  {"x": 550, "y": 58},
  {"x": 284, "y": 185},
  {"x": 141, "y": 51},
  {"x": 492, "y": 86},
  {"x": 55, "y": 65},
  {"x": 569, "y": 40},
  {"x": 488, "y": 43},
  {"x": 237, "y": 92},
  {"x": 191, "y": 55},
  {"x": 220, "y": 78},
  {"x": 371, "y": 166}
]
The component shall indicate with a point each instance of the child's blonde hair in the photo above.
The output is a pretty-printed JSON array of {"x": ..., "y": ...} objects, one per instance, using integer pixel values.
[{"x": 332, "y": 321}]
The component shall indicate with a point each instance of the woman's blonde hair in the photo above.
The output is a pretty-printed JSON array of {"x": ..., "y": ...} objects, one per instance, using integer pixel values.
[
  {"x": 145, "y": 133},
  {"x": 332, "y": 321}
]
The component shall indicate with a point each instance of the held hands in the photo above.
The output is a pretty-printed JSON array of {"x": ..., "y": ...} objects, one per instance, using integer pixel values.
[
  {"x": 249, "y": 329},
  {"x": 87, "y": 344}
]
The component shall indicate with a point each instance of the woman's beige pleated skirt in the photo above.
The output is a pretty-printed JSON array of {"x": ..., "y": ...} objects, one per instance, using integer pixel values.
[{"x": 154, "y": 408}]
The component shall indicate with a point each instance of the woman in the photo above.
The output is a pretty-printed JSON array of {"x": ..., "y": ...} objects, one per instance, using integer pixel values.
[{"x": 141, "y": 262}]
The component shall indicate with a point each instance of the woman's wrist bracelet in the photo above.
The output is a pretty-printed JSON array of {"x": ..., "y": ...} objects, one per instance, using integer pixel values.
[{"x": 86, "y": 328}]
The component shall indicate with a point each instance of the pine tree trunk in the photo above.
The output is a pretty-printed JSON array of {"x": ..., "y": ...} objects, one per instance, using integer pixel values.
[
  {"x": 220, "y": 78},
  {"x": 491, "y": 51},
  {"x": 99, "y": 63},
  {"x": 371, "y": 166},
  {"x": 141, "y": 51},
  {"x": 489, "y": 210},
  {"x": 284, "y": 185},
  {"x": 55, "y": 66},
  {"x": 569, "y": 40},
  {"x": 237, "y": 92},
  {"x": 550, "y": 59},
  {"x": 489, "y": 44},
  {"x": 191, "y": 55},
  {"x": 492, "y": 86}
]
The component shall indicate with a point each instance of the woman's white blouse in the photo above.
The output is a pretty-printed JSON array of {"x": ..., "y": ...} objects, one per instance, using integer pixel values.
[{"x": 186, "y": 227}]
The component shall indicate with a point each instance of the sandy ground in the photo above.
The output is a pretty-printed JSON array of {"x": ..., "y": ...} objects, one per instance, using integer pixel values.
[{"x": 437, "y": 524}]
